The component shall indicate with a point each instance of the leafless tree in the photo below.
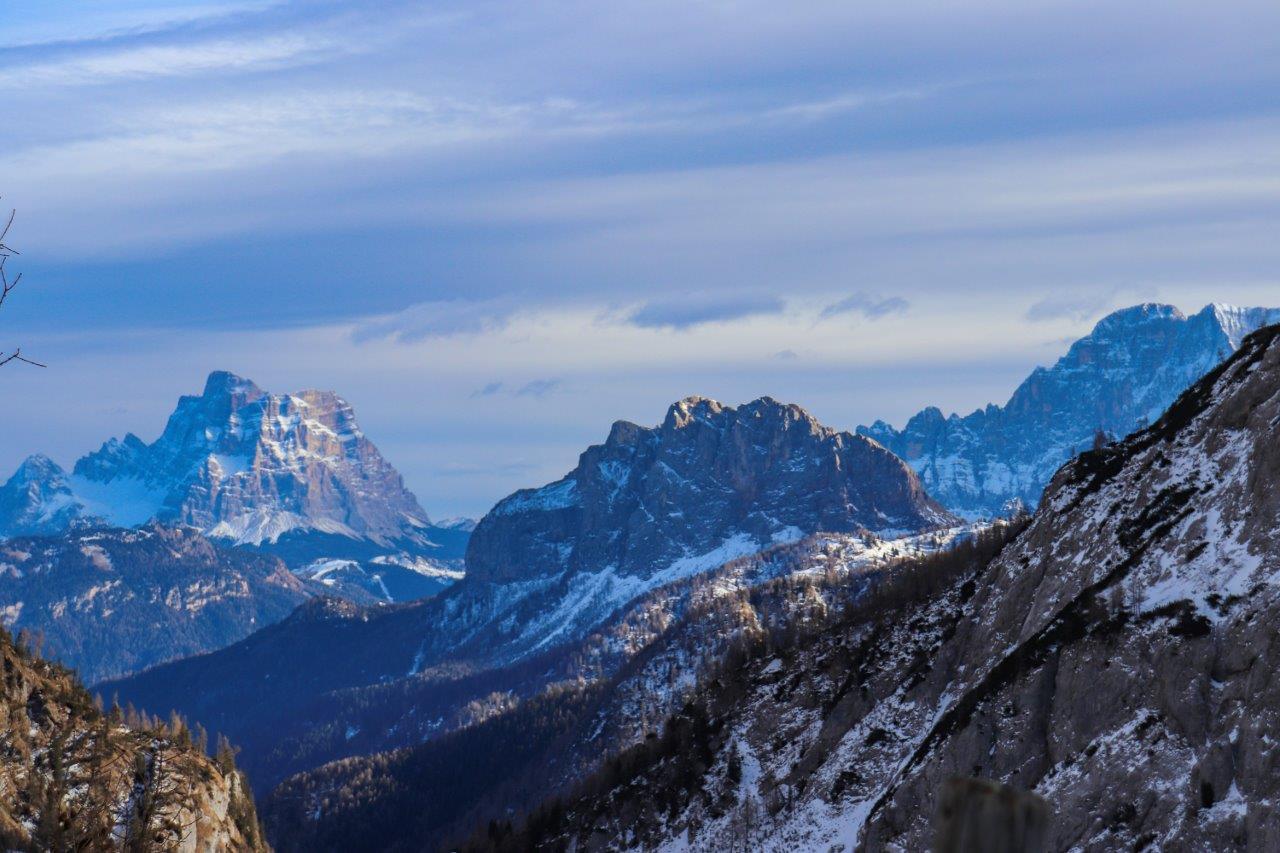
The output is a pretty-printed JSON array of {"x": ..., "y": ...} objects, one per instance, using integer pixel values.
[{"x": 7, "y": 287}]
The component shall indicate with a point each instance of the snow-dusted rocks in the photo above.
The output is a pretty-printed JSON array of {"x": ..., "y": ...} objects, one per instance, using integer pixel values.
[
  {"x": 78, "y": 779},
  {"x": 711, "y": 483},
  {"x": 292, "y": 473},
  {"x": 1120, "y": 377}
]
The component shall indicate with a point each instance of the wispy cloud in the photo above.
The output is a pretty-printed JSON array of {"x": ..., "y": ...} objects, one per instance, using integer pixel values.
[
  {"x": 537, "y": 388},
  {"x": 487, "y": 390},
  {"x": 1082, "y": 305},
  {"x": 442, "y": 319},
  {"x": 870, "y": 306},
  {"x": 102, "y": 67},
  {"x": 687, "y": 312}
]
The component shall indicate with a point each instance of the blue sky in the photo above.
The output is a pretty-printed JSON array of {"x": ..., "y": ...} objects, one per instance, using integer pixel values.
[{"x": 496, "y": 227}]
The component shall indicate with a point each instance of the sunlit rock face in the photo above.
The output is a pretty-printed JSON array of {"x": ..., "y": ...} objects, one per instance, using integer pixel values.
[{"x": 1120, "y": 377}]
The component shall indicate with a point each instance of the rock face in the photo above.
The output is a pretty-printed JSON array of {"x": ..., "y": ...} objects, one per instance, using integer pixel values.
[
  {"x": 1117, "y": 379},
  {"x": 1117, "y": 658},
  {"x": 76, "y": 779},
  {"x": 109, "y": 601},
  {"x": 710, "y": 474},
  {"x": 290, "y": 473}
]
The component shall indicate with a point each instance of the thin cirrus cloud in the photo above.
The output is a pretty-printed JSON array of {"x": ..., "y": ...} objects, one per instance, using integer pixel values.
[
  {"x": 488, "y": 390},
  {"x": 679, "y": 314},
  {"x": 173, "y": 60},
  {"x": 870, "y": 306},
  {"x": 537, "y": 388},
  {"x": 438, "y": 319},
  {"x": 1084, "y": 305}
]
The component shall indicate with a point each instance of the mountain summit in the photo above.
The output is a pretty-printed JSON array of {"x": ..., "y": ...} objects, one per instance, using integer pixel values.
[
  {"x": 710, "y": 475},
  {"x": 1118, "y": 378},
  {"x": 239, "y": 464}
]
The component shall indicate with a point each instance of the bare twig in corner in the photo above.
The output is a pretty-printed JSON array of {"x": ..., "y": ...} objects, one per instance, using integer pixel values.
[{"x": 7, "y": 287}]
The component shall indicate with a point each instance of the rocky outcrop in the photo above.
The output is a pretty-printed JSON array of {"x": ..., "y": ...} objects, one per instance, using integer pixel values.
[
  {"x": 1116, "y": 658},
  {"x": 1117, "y": 379},
  {"x": 109, "y": 601},
  {"x": 710, "y": 474},
  {"x": 75, "y": 778}
]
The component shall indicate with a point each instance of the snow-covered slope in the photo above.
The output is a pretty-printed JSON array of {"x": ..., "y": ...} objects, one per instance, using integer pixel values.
[
  {"x": 653, "y": 655},
  {"x": 1117, "y": 658},
  {"x": 292, "y": 473},
  {"x": 1117, "y": 379}
]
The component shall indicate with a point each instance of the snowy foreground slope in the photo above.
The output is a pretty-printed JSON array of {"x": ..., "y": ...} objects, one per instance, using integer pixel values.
[
  {"x": 1118, "y": 378},
  {"x": 1119, "y": 657}
]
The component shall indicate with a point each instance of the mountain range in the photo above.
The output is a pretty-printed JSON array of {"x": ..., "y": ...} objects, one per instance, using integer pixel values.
[
  {"x": 742, "y": 572},
  {"x": 111, "y": 601},
  {"x": 1115, "y": 657},
  {"x": 1118, "y": 378},
  {"x": 550, "y": 570}
]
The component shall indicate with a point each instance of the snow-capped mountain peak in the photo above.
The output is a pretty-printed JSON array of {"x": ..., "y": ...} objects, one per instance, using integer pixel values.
[
  {"x": 236, "y": 462},
  {"x": 1119, "y": 377}
]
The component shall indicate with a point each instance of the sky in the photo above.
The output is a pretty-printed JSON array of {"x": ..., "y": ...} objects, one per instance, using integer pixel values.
[{"x": 497, "y": 227}]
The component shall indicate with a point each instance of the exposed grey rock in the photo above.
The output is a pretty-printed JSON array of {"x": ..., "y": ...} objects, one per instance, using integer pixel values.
[{"x": 762, "y": 472}]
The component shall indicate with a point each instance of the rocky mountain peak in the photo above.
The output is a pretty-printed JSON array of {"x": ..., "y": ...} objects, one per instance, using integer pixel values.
[
  {"x": 710, "y": 477},
  {"x": 237, "y": 463},
  {"x": 223, "y": 384},
  {"x": 1119, "y": 377},
  {"x": 37, "y": 468}
]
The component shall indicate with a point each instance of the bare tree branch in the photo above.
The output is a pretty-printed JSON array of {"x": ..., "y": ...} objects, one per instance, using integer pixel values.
[{"x": 7, "y": 287}]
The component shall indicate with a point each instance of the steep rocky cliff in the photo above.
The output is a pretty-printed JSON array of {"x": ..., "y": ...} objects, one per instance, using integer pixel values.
[
  {"x": 1117, "y": 379},
  {"x": 1117, "y": 658},
  {"x": 77, "y": 779}
]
